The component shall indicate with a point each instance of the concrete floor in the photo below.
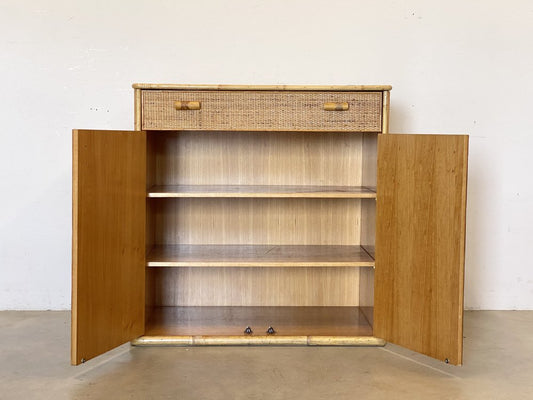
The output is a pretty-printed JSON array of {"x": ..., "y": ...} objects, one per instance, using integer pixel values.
[{"x": 34, "y": 363}]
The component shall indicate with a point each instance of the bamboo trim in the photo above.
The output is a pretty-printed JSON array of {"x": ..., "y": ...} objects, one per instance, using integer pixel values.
[
  {"x": 137, "y": 110},
  {"x": 386, "y": 111},
  {"x": 229, "y": 340},
  {"x": 345, "y": 341},
  {"x": 249, "y": 340},
  {"x": 336, "y": 88},
  {"x": 163, "y": 341}
]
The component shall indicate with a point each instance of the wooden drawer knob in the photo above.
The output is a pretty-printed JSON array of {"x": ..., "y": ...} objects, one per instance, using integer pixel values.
[
  {"x": 336, "y": 106},
  {"x": 187, "y": 105}
]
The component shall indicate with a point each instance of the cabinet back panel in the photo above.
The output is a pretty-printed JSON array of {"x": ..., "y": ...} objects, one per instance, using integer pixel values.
[
  {"x": 369, "y": 179},
  {"x": 255, "y": 286},
  {"x": 257, "y": 221},
  {"x": 254, "y": 158}
]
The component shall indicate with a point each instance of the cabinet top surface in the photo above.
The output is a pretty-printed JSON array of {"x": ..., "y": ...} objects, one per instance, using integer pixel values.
[{"x": 322, "y": 88}]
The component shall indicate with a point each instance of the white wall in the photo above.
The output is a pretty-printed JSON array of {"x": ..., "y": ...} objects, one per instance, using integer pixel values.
[{"x": 455, "y": 66}]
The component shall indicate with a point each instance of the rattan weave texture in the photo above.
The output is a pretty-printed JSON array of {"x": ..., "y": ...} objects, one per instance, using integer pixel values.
[{"x": 262, "y": 111}]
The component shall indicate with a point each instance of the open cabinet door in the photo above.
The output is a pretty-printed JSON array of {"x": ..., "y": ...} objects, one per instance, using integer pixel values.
[
  {"x": 420, "y": 239},
  {"x": 108, "y": 236}
]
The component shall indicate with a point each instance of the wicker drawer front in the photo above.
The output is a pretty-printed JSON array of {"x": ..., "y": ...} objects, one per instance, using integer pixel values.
[{"x": 262, "y": 110}]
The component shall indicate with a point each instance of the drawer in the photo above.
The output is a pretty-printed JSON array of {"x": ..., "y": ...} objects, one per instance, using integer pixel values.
[{"x": 261, "y": 110}]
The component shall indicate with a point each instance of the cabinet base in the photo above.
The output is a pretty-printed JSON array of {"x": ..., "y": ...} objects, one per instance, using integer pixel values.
[{"x": 258, "y": 341}]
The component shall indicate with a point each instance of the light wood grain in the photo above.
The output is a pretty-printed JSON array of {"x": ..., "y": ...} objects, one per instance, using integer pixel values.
[
  {"x": 256, "y": 158},
  {"x": 150, "y": 222},
  {"x": 420, "y": 243},
  {"x": 232, "y": 321},
  {"x": 366, "y": 293},
  {"x": 262, "y": 191},
  {"x": 269, "y": 159},
  {"x": 256, "y": 286},
  {"x": 368, "y": 224},
  {"x": 257, "y": 221},
  {"x": 258, "y": 256},
  {"x": 108, "y": 236},
  {"x": 335, "y": 88},
  {"x": 150, "y": 289},
  {"x": 369, "y": 180}
]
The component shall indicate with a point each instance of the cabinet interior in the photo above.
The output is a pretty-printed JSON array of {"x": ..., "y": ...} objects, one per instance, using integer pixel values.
[
  {"x": 260, "y": 229},
  {"x": 257, "y": 212}
]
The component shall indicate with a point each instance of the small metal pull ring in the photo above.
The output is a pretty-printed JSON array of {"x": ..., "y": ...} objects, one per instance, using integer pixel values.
[
  {"x": 248, "y": 330},
  {"x": 270, "y": 330}
]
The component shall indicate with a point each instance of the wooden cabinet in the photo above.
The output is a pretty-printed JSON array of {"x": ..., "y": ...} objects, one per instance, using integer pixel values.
[{"x": 287, "y": 210}]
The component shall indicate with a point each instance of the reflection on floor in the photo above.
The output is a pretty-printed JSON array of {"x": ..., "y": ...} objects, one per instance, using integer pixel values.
[{"x": 34, "y": 364}]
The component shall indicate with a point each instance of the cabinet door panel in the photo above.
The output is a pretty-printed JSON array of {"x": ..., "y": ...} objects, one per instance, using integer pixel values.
[
  {"x": 108, "y": 240},
  {"x": 420, "y": 236}
]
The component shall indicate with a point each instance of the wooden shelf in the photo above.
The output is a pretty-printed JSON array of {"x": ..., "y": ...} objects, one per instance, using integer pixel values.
[
  {"x": 231, "y": 321},
  {"x": 258, "y": 256},
  {"x": 262, "y": 191}
]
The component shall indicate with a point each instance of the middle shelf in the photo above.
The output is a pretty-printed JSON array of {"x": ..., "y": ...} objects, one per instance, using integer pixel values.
[
  {"x": 262, "y": 191},
  {"x": 260, "y": 256}
]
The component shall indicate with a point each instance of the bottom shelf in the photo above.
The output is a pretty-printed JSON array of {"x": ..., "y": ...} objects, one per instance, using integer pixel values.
[{"x": 226, "y": 325}]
